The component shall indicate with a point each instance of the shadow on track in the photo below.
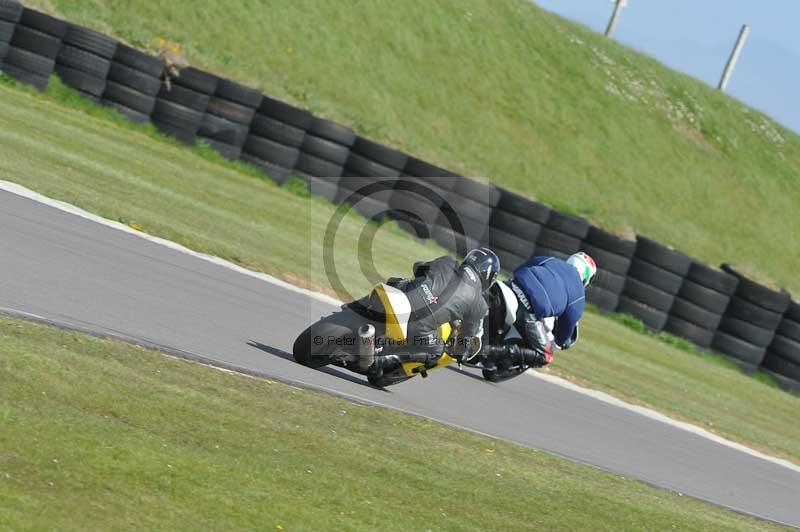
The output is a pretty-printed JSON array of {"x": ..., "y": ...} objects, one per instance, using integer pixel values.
[{"x": 327, "y": 369}]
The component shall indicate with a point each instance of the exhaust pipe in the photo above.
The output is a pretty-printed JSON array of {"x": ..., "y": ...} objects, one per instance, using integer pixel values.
[{"x": 366, "y": 346}]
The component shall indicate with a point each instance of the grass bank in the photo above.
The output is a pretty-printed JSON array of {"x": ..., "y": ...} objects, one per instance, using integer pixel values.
[
  {"x": 98, "y": 434},
  {"x": 75, "y": 152},
  {"x": 507, "y": 90}
]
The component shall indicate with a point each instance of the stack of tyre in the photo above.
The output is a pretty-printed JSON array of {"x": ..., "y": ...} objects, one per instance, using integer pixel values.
[
  {"x": 562, "y": 235},
  {"x": 514, "y": 227},
  {"x": 464, "y": 218},
  {"x": 750, "y": 321},
  {"x": 700, "y": 304},
  {"x": 187, "y": 94},
  {"x": 226, "y": 122},
  {"x": 369, "y": 176},
  {"x": 654, "y": 279},
  {"x": 84, "y": 60},
  {"x": 418, "y": 195},
  {"x": 134, "y": 80},
  {"x": 10, "y": 13},
  {"x": 275, "y": 137},
  {"x": 783, "y": 355},
  {"x": 613, "y": 256},
  {"x": 32, "y": 51},
  {"x": 323, "y": 153}
]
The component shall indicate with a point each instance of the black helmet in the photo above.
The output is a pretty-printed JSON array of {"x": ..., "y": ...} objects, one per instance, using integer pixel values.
[{"x": 485, "y": 263}]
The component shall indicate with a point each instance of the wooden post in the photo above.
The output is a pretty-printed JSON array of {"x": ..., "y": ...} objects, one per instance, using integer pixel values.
[
  {"x": 737, "y": 50},
  {"x": 612, "y": 24}
]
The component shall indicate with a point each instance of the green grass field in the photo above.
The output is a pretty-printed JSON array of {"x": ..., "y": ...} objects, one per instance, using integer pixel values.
[
  {"x": 506, "y": 90},
  {"x": 100, "y": 435},
  {"x": 53, "y": 144}
]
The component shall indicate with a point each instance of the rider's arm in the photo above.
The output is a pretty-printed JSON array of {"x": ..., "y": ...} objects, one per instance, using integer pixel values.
[{"x": 566, "y": 323}]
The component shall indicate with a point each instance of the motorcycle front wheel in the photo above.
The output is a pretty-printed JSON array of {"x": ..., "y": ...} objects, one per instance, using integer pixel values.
[{"x": 317, "y": 345}]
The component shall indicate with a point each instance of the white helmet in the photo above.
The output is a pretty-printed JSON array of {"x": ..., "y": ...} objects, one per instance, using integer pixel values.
[{"x": 585, "y": 265}]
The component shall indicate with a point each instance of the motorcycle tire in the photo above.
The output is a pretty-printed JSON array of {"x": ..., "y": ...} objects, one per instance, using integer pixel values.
[{"x": 312, "y": 349}]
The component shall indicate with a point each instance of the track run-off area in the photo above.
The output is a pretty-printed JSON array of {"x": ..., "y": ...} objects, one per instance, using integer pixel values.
[{"x": 65, "y": 267}]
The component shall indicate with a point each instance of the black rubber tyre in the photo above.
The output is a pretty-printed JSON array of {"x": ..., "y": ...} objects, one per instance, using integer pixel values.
[
  {"x": 330, "y": 130},
  {"x": 760, "y": 295},
  {"x": 477, "y": 191},
  {"x": 236, "y": 92},
  {"x": 606, "y": 260},
  {"x": 781, "y": 366},
  {"x": 30, "y": 62},
  {"x": 271, "y": 151},
  {"x": 509, "y": 261},
  {"x": 10, "y": 11},
  {"x": 787, "y": 348},
  {"x": 737, "y": 348},
  {"x": 196, "y": 80},
  {"x": 317, "y": 167},
  {"x": 697, "y": 335},
  {"x": 6, "y": 31},
  {"x": 322, "y": 187},
  {"x": 419, "y": 168},
  {"x": 25, "y": 76},
  {"x": 36, "y": 41},
  {"x": 650, "y": 296},
  {"x": 409, "y": 206},
  {"x": 185, "y": 135},
  {"x": 230, "y": 110},
  {"x": 185, "y": 97},
  {"x": 130, "y": 114},
  {"x": 601, "y": 298},
  {"x": 273, "y": 129},
  {"x": 315, "y": 354},
  {"x": 712, "y": 278},
  {"x": 752, "y": 313},
  {"x": 463, "y": 208},
  {"x": 358, "y": 166},
  {"x": 3, "y": 52},
  {"x": 129, "y": 98},
  {"x": 599, "y": 238},
  {"x": 510, "y": 242},
  {"x": 275, "y": 173},
  {"x": 696, "y": 314},
  {"x": 474, "y": 229},
  {"x": 511, "y": 223},
  {"x": 285, "y": 113},
  {"x": 84, "y": 61},
  {"x": 662, "y": 256},
  {"x": 790, "y": 329},
  {"x": 90, "y": 41},
  {"x": 221, "y": 130},
  {"x": 793, "y": 312},
  {"x": 553, "y": 239},
  {"x": 228, "y": 151},
  {"x": 523, "y": 207},
  {"x": 568, "y": 224},
  {"x": 146, "y": 64},
  {"x": 453, "y": 241},
  {"x": 704, "y": 297},
  {"x": 610, "y": 282},
  {"x": 81, "y": 81},
  {"x": 652, "y": 318},
  {"x": 177, "y": 115},
  {"x": 134, "y": 79},
  {"x": 325, "y": 149},
  {"x": 741, "y": 329},
  {"x": 43, "y": 22},
  {"x": 542, "y": 251},
  {"x": 654, "y": 276},
  {"x": 380, "y": 154}
]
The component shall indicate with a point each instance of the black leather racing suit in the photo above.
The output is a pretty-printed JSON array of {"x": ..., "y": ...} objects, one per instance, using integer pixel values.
[{"x": 443, "y": 291}]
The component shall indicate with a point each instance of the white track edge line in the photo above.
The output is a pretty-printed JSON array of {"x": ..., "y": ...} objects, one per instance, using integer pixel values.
[{"x": 25, "y": 192}]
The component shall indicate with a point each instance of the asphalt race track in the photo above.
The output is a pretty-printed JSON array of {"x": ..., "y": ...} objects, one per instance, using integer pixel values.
[{"x": 77, "y": 273}]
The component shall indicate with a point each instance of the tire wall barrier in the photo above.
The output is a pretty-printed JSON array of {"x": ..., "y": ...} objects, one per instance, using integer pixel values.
[{"x": 665, "y": 289}]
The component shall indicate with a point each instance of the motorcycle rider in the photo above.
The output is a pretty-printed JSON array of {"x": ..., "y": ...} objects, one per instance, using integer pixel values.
[
  {"x": 444, "y": 291},
  {"x": 543, "y": 289}
]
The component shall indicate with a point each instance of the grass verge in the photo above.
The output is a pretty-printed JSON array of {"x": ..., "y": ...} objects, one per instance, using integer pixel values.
[
  {"x": 507, "y": 90},
  {"x": 193, "y": 197},
  {"x": 97, "y": 434}
]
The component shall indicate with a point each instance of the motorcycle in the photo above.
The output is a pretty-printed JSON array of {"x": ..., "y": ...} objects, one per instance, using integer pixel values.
[{"x": 366, "y": 330}]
